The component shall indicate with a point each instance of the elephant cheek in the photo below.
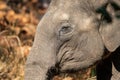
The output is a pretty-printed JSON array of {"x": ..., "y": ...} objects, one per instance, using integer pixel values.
[
  {"x": 94, "y": 48},
  {"x": 89, "y": 50}
]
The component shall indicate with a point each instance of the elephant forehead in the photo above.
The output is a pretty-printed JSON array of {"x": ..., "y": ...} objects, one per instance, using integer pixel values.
[
  {"x": 87, "y": 24},
  {"x": 61, "y": 15},
  {"x": 79, "y": 3},
  {"x": 84, "y": 23},
  {"x": 63, "y": 10}
]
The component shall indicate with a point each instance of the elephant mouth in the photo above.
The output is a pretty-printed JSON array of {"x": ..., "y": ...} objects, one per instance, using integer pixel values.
[
  {"x": 83, "y": 74},
  {"x": 54, "y": 73}
]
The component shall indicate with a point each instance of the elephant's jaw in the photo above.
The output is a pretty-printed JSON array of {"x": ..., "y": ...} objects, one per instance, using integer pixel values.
[
  {"x": 83, "y": 74},
  {"x": 53, "y": 71}
]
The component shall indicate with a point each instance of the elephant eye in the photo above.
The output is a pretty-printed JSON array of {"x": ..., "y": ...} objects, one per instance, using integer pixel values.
[{"x": 65, "y": 29}]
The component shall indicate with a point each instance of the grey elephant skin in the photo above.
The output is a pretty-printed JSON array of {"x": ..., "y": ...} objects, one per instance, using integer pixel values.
[{"x": 74, "y": 35}]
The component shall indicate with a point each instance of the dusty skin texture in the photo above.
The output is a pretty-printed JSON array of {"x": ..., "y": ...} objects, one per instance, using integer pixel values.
[{"x": 73, "y": 35}]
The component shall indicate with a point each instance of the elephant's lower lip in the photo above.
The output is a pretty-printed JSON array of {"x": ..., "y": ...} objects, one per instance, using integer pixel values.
[{"x": 83, "y": 74}]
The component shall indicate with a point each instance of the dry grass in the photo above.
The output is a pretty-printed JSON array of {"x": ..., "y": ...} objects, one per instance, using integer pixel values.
[{"x": 12, "y": 59}]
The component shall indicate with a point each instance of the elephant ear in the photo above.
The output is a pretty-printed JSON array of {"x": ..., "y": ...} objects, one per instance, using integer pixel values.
[{"x": 110, "y": 31}]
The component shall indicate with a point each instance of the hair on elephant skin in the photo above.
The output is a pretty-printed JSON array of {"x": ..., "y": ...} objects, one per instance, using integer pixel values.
[{"x": 74, "y": 35}]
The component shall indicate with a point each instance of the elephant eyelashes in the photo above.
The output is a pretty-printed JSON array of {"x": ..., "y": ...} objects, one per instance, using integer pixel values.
[{"x": 65, "y": 29}]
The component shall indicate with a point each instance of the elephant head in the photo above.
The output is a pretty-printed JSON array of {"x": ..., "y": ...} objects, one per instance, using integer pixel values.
[{"x": 73, "y": 35}]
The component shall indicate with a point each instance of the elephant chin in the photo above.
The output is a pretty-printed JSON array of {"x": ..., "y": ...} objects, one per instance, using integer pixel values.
[
  {"x": 73, "y": 62},
  {"x": 53, "y": 72},
  {"x": 75, "y": 74},
  {"x": 72, "y": 67}
]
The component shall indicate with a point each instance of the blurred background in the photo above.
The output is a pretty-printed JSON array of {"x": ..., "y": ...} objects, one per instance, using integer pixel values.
[{"x": 18, "y": 21}]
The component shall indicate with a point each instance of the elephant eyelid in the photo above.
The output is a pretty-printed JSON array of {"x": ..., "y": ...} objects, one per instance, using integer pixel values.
[{"x": 65, "y": 29}]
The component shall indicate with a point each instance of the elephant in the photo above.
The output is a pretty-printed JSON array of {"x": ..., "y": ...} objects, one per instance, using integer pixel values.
[{"x": 74, "y": 35}]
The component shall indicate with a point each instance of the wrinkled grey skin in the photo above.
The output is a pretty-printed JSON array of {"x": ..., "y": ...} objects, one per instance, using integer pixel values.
[{"x": 73, "y": 35}]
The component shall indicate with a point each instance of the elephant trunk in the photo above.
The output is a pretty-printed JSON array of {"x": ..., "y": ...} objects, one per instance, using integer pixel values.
[{"x": 41, "y": 59}]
